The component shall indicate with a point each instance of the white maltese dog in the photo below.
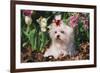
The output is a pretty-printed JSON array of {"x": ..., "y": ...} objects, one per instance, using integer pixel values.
[{"x": 62, "y": 40}]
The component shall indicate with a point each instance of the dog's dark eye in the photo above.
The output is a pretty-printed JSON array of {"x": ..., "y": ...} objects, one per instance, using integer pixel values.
[
  {"x": 62, "y": 31},
  {"x": 55, "y": 31}
]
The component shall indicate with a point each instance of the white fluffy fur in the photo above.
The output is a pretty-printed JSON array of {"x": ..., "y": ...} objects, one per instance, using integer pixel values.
[{"x": 62, "y": 45}]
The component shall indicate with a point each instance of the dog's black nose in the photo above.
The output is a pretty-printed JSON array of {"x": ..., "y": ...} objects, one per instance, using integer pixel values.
[{"x": 58, "y": 36}]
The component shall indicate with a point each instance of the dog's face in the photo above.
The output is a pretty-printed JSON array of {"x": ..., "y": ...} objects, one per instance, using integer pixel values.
[{"x": 61, "y": 34}]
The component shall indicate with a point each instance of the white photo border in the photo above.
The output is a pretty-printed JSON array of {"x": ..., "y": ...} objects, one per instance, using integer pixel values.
[{"x": 20, "y": 65}]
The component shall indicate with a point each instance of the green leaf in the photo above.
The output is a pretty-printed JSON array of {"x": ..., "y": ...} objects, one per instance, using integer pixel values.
[
  {"x": 25, "y": 33},
  {"x": 81, "y": 29},
  {"x": 32, "y": 39}
]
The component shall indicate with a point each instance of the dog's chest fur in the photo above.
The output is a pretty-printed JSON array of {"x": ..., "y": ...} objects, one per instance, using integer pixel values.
[{"x": 56, "y": 50}]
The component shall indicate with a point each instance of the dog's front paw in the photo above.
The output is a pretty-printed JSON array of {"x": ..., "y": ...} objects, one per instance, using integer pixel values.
[
  {"x": 49, "y": 58},
  {"x": 62, "y": 57}
]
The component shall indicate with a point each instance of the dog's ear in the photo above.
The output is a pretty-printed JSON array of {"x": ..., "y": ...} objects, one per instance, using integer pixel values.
[
  {"x": 54, "y": 24},
  {"x": 51, "y": 27}
]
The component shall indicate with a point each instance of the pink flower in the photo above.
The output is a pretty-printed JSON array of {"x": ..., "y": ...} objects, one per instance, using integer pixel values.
[
  {"x": 84, "y": 19},
  {"x": 74, "y": 21},
  {"x": 27, "y": 12}
]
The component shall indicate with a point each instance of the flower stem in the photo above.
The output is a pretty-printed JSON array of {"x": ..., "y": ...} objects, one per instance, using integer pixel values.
[{"x": 27, "y": 29}]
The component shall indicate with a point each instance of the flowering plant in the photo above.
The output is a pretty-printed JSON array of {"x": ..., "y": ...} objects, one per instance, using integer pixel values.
[{"x": 36, "y": 24}]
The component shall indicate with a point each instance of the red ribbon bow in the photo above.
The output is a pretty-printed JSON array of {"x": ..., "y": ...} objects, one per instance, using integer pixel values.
[{"x": 58, "y": 22}]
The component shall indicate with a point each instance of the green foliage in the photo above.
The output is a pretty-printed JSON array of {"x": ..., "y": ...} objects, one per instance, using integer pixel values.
[{"x": 81, "y": 35}]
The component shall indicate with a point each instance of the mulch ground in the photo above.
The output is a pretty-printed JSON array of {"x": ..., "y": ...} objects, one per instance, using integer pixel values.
[{"x": 27, "y": 55}]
